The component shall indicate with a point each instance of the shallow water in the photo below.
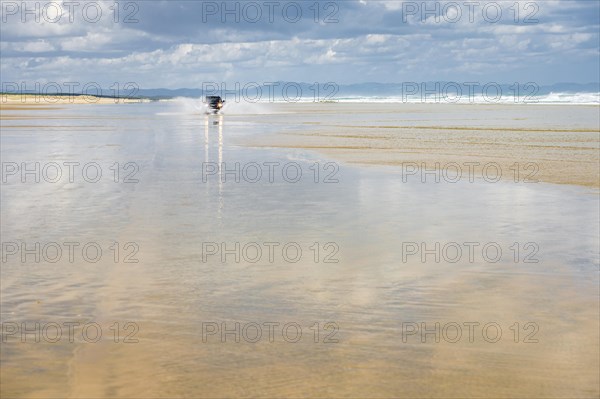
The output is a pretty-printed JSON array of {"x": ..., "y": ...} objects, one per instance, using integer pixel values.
[{"x": 361, "y": 281}]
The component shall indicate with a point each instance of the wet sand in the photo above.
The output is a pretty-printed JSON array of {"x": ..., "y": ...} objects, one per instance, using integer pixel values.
[
  {"x": 522, "y": 143},
  {"x": 548, "y": 143},
  {"x": 369, "y": 293}
]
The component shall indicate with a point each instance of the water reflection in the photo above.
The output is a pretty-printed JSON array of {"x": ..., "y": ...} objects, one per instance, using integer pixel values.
[
  {"x": 369, "y": 293},
  {"x": 211, "y": 123}
]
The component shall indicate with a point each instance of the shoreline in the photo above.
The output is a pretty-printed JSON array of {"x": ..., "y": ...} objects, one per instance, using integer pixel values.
[{"x": 17, "y": 101}]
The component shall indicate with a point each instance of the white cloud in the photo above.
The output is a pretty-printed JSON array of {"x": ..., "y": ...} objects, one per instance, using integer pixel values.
[
  {"x": 38, "y": 46},
  {"x": 171, "y": 46}
]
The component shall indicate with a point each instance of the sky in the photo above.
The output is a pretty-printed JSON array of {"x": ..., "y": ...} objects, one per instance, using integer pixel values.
[{"x": 185, "y": 44}]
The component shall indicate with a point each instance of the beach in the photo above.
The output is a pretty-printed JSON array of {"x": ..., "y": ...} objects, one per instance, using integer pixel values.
[{"x": 223, "y": 236}]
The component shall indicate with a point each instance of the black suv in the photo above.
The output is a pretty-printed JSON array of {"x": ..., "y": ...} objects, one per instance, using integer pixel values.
[{"x": 215, "y": 103}]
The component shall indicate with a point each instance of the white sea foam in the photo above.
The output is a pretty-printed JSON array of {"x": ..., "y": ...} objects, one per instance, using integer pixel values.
[
  {"x": 570, "y": 98},
  {"x": 552, "y": 98},
  {"x": 187, "y": 105}
]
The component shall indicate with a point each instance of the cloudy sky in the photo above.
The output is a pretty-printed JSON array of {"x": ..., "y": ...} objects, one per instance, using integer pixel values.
[{"x": 177, "y": 44}]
